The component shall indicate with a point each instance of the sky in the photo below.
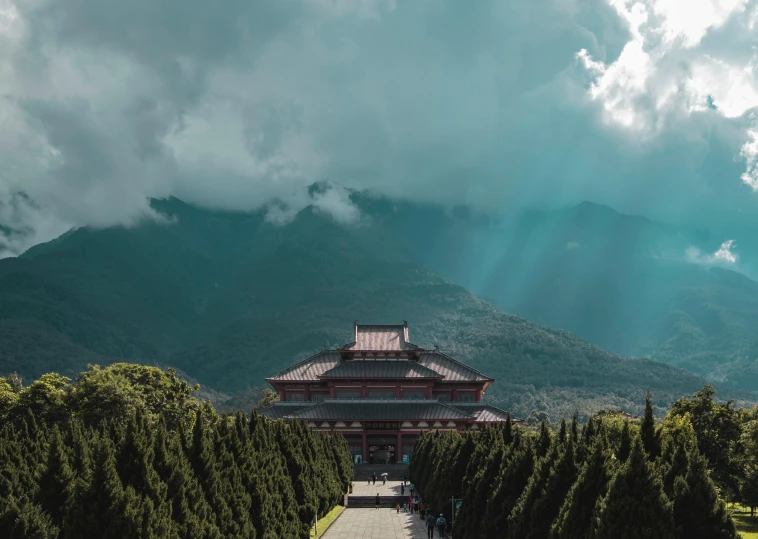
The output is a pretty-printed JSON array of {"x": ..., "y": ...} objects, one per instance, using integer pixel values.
[{"x": 648, "y": 106}]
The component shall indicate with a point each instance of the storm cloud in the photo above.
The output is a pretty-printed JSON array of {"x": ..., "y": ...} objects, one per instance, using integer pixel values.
[{"x": 648, "y": 106}]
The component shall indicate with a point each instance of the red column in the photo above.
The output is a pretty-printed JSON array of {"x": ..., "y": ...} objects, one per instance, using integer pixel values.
[
  {"x": 398, "y": 392},
  {"x": 365, "y": 448},
  {"x": 364, "y": 391},
  {"x": 331, "y": 392},
  {"x": 399, "y": 448}
]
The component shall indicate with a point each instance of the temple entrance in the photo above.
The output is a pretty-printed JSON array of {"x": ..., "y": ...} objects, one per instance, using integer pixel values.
[
  {"x": 355, "y": 443},
  {"x": 382, "y": 449}
]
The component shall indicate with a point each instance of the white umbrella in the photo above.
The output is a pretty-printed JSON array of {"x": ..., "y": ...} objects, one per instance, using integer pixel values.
[{"x": 385, "y": 474}]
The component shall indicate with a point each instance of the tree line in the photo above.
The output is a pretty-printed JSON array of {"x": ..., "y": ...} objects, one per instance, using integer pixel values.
[
  {"x": 126, "y": 451},
  {"x": 608, "y": 478}
]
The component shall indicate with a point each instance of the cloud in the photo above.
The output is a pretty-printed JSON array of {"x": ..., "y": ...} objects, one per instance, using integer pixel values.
[
  {"x": 668, "y": 69},
  {"x": 749, "y": 152},
  {"x": 645, "y": 106},
  {"x": 723, "y": 256}
]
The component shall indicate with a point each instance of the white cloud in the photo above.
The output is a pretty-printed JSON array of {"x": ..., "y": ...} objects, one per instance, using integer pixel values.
[
  {"x": 454, "y": 103},
  {"x": 335, "y": 202},
  {"x": 749, "y": 152},
  {"x": 689, "y": 22},
  {"x": 668, "y": 69},
  {"x": 724, "y": 255}
]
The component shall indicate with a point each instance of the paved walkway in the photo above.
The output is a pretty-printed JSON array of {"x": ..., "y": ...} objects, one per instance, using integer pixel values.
[
  {"x": 377, "y": 524},
  {"x": 392, "y": 488}
]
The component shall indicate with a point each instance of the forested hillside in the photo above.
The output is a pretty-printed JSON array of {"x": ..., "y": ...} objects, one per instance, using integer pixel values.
[
  {"x": 230, "y": 298},
  {"x": 126, "y": 451},
  {"x": 622, "y": 282},
  {"x": 610, "y": 477}
]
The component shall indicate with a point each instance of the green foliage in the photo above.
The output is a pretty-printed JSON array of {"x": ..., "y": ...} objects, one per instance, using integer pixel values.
[
  {"x": 69, "y": 469},
  {"x": 650, "y": 441},
  {"x": 267, "y": 398},
  {"x": 718, "y": 429},
  {"x": 635, "y": 506},
  {"x": 600, "y": 482}
]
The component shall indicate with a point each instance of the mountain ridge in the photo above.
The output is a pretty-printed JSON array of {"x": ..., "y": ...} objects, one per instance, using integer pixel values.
[{"x": 229, "y": 298}]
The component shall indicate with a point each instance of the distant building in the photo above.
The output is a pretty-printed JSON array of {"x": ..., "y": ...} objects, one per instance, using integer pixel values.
[{"x": 381, "y": 391}]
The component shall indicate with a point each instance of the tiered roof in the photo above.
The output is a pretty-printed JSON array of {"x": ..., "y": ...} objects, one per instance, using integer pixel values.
[
  {"x": 431, "y": 364},
  {"x": 369, "y": 368},
  {"x": 384, "y": 410},
  {"x": 377, "y": 337}
]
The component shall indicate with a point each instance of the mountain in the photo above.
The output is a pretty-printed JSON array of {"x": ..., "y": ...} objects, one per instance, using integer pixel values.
[
  {"x": 230, "y": 298},
  {"x": 622, "y": 282}
]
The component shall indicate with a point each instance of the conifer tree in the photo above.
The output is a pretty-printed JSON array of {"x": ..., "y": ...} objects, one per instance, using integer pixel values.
[
  {"x": 508, "y": 486},
  {"x": 575, "y": 427},
  {"x": 56, "y": 483},
  {"x": 649, "y": 437},
  {"x": 519, "y": 521},
  {"x": 574, "y": 520},
  {"x": 625, "y": 445},
  {"x": 101, "y": 509},
  {"x": 508, "y": 430},
  {"x": 635, "y": 506},
  {"x": 547, "y": 505},
  {"x": 543, "y": 442},
  {"x": 675, "y": 466},
  {"x": 698, "y": 511},
  {"x": 562, "y": 431},
  {"x": 27, "y": 520}
]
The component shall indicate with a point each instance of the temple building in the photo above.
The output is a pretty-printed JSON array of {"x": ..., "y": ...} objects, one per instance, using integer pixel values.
[{"x": 381, "y": 391}]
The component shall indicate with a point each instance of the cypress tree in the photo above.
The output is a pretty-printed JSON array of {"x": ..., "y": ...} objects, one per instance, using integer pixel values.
[
  {"x": 101, "y": 508},
  {"x": 625, "y": 445},
  {"x": 562, "y": 431},
  {"x": 647, "y": 431},
  {"x": 575, "y": 427},
  {"x": 574, "y": 520},
  {"x": 519, "y": 521},
  {"x": 698, "y": 511},
  {"x": 546, "y": 507},
  {"x": 508, "y": 487},
  {"x": 635, "y": 506},
  {"x": 508, "y": 430},
  {"x": 27, "y": 520},
  {"x": 677, "y": 467},
  {"x": 56, "y": 484},
  {"x": 543, "y": 441}
]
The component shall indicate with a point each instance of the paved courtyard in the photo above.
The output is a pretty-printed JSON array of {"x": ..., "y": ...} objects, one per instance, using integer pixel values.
[
  {"x": 377, "y": 524},
  {"x": 392, "y": 488}
]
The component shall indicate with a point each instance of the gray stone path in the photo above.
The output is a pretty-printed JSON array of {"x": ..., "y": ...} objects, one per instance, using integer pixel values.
[
  {"x": 392, "y": 488},
  {"x": 377, "y": 524}
]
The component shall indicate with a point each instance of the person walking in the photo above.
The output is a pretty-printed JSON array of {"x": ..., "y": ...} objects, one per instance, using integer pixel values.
[
  {"x": 441, "y": 525},
  {"x": 369, "y": 481},
  {"x": 373, "y": 478},
  {"x": 379, "y": 500},
  {"x": 405, "y": 479},
  {"x": 398, "y": 508},
  {"x": 402, "y": 490},
  {"x": 430, "y": 523},
  {"x": 384, "y": 480}
]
